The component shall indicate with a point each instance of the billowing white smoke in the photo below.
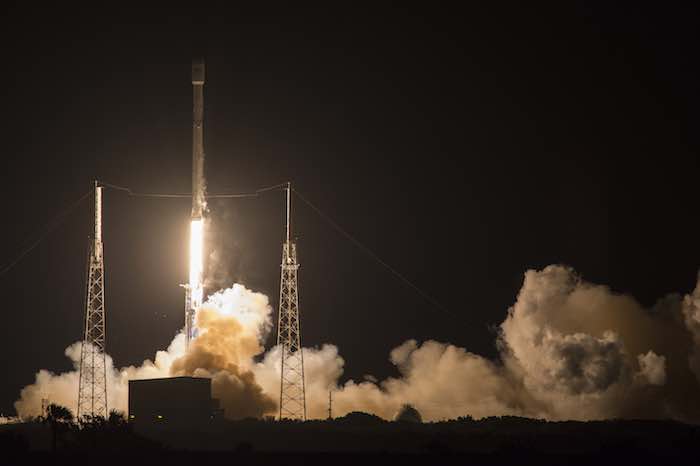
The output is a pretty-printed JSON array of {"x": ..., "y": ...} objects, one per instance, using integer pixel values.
[
  {"x": 232, "y": 324},
  {"x": 691, "y": 314},
  {"x": 568, "y": 350},
  {"x": 652, "y": 368}
]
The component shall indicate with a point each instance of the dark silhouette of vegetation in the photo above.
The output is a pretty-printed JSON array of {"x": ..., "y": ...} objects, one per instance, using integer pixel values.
[
  {"x": 408, "y": 413},
  {"x": 59, "y": 418},
  {"x": 498, "y": 440},
  {"x": 69, "y": 435},
  {"x": 116, "y": 419},
  {"x": 358, "y": 418}
]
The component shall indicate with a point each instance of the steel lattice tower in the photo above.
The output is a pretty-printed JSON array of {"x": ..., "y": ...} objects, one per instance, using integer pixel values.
[
  {"x": 292, "y": 392},
  {"x": 92, "y": 392}
]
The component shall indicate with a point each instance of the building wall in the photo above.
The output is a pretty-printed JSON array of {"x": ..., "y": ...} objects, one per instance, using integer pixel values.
[{"x": 176, "y": 401}]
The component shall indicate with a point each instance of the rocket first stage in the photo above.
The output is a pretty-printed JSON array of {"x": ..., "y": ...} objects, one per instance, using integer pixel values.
[
  {"x": 198, "y": 202},
  {"x": 194, "y": 290}
]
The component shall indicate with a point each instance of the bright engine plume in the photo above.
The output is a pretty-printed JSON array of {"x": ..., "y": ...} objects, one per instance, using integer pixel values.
[{"x": 196, "y": 263}]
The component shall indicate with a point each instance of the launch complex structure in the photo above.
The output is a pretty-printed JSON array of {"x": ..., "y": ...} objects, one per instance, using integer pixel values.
[
  {"x": 92, "y": 396},
  {"x": 92, "y": 388}
]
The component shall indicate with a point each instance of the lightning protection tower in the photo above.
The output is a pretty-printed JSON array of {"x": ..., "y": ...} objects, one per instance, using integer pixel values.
[
  {"x": 292, "y": 393},
  {"x": 92, "y": 391}
]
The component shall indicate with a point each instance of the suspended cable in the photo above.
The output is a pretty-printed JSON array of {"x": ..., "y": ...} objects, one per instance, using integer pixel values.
[
  {"x": 370, "y": 253},
  {"x": 55, "y": 222},
  {"x": 254, "y": 194},
  {"x": 138, "y": 194},
  {"x": 132, "y": 193}
]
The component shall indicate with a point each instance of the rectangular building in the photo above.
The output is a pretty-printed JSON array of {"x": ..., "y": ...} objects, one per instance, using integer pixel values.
[{"x": 170, "y": 402}]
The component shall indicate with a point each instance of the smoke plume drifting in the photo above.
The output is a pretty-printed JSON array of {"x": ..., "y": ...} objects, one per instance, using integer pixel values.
[
  {"x": 232, "y": 325},
  {"x": 568, "y": 350}
]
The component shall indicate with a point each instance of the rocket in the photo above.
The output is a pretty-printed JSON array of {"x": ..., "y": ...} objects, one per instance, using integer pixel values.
[
  {"x": 194, "y": 290},
  {"x": 198, "y": 201}
]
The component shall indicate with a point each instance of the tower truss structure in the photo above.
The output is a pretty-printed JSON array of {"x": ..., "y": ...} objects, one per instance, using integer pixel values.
[
  {"x": 292, "y": 391},
  {"x": 92, "y": 391}
]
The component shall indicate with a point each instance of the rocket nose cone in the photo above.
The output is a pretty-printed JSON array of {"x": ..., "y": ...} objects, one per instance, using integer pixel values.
[{"x": 198, "y": 71}]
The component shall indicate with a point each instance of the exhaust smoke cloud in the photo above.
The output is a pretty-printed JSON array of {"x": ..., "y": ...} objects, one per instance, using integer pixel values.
[
  {"x": 568, "y": 350},
  {"x": 231, "y": 325}
]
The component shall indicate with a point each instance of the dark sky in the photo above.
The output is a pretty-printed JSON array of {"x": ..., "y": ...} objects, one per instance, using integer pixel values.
[{"x": 464, "y": 147}]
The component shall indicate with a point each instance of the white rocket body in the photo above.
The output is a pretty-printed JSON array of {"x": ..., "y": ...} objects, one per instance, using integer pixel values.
[
  {"x": 198, "y": 201},
  {"x": 194, "y": 290}
]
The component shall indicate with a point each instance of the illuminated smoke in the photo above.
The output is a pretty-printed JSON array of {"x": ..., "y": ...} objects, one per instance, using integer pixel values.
[
  {"x": 653, "y": 368},
  {"x": 568, "y": 350},
  {"x": 691, "y": 315},
  {"x": 232, "y": 324},
  {"x": 231, "y": 327}
]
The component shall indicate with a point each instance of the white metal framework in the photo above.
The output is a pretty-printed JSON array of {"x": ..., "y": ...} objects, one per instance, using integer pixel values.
[
  {"x": 92, "y": 391},
  {"x": 292, "y": 392}
]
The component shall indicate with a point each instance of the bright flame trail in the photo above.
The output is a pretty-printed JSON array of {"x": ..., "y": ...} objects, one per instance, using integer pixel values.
[
  {"x": 196, "y": 263},
  {"x": 194, "y": 290}
]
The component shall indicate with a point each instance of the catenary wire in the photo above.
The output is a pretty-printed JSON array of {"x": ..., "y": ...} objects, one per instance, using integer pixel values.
[
  {"x": 374, "y": 256},
  {"x": 55, "y": 222},
  {"x": 133, "y": 193}
]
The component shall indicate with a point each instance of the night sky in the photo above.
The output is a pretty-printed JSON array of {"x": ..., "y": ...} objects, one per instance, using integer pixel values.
[{"x": 463, "y": 147}]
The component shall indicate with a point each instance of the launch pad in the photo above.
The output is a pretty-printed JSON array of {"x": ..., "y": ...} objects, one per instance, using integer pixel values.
[{"x": 93, "y": 386}]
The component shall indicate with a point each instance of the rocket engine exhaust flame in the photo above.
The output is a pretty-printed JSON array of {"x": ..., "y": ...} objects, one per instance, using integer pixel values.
[{"x": 196, "y": 263}]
